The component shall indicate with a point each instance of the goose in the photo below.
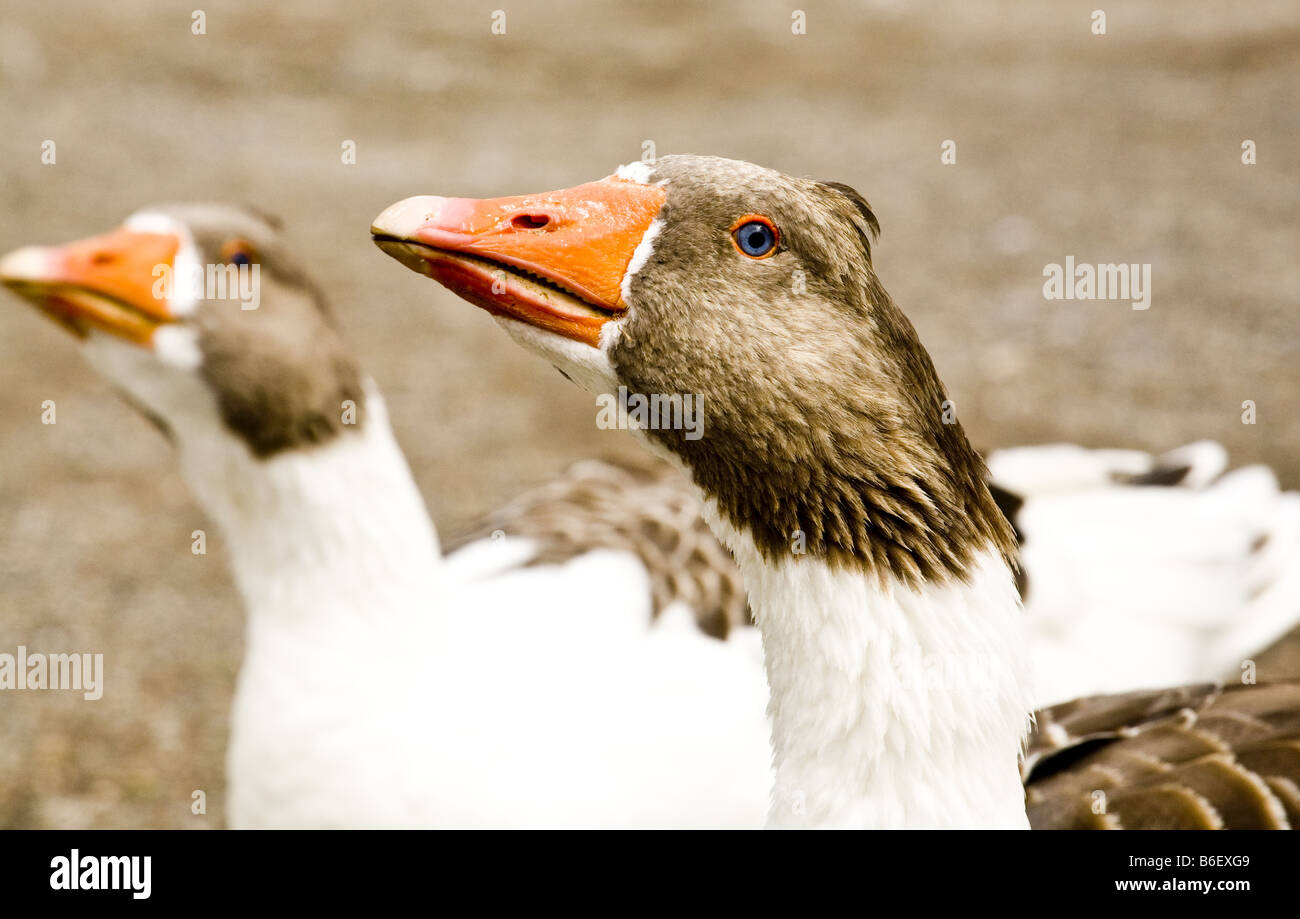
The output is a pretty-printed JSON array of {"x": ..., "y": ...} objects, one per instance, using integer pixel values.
[
  {"x": 382, "y": 684},
  {"x": 880, "y": 570}
]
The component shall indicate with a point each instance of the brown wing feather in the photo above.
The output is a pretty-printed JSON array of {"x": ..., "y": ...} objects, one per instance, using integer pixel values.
[
  {"x": 1196, "y": 757},
  {"x": 646, "y": 508}
]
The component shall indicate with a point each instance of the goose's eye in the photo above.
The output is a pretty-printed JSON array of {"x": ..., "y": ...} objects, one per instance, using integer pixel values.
[
  {"x": 238, "y": 252},
  {"x": 755, "y": 236}
]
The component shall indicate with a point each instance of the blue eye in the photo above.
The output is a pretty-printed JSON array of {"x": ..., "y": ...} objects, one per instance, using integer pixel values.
[{"x": 755, "y": 236}]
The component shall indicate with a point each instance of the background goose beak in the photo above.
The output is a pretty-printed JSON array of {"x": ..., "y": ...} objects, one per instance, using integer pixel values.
[
  {"x": 114, "y": 282},
  {"x": 555, "y": 259}
]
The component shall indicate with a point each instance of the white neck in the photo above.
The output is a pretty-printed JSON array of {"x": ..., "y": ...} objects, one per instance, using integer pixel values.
[
  {"x": 890, "y": 707},
  {"x": 320, "y": 537}
]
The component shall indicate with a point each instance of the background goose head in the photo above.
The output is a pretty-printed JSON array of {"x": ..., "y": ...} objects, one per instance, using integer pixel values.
[
  {"x": 198, "y": 316},
  {"x": 825, "y": 424},
  {"x": 280, "y": 437}
]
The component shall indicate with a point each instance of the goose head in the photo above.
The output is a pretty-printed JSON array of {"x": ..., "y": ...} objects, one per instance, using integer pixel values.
[
  {"x": 826, "y": 429},
  {"x": 195, "y": 313}
]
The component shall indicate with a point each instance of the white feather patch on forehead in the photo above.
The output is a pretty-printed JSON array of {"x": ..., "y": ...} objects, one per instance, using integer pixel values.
[
  {"x": 635, "y": 171},
  {"x": 186, "y": 271},
  {"x": 147, "y": 221}
]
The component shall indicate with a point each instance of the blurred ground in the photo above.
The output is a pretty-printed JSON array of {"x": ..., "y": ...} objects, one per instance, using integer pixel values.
[{"x": 1117, "y": 148}]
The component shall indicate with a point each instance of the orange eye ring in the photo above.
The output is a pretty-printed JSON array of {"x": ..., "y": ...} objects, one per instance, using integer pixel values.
[
  {"x": 238, "y": 251},
  {"x": 755, "y": 236}
]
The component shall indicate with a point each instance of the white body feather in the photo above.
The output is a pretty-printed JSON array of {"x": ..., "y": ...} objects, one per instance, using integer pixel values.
[
  {"x": 1141, "y": 587},
  {"x": 891, "y": 707}
]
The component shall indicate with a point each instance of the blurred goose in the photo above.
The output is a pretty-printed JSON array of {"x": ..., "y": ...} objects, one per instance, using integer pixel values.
[
  {"x": 1143, "y": 570},
  {"x": 880, "y": 570},
  {"x": 383, "y": 685}
]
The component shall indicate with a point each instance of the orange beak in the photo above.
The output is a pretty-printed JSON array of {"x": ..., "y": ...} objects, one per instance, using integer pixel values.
[
  {"x": 555, "y": 260},
  {"x": 113, "y": 282}
]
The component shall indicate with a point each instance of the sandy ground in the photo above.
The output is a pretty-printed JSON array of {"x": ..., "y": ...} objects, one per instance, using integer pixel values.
[{"x": 1125, "y": 147}]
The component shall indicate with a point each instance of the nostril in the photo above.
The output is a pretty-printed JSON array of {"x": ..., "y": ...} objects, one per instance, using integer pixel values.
[
  {"x": 103, "y": 258},
  {"x": 529, "y": 221}
]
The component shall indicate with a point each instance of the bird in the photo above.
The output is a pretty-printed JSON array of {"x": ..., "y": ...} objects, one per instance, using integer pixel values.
[
  {"x": 879, "y": 568},
  {"x": 384, "y": 684}
]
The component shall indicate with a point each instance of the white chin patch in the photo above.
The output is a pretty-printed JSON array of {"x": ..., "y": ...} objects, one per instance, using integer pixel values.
[
  {"x": 185, "y": 288},
  {"x": 161, "y": 378},
  {"x": 129, "y": 366},
  {"x": 178, "y": 346},
  {"x": 588, "y": 367}
]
